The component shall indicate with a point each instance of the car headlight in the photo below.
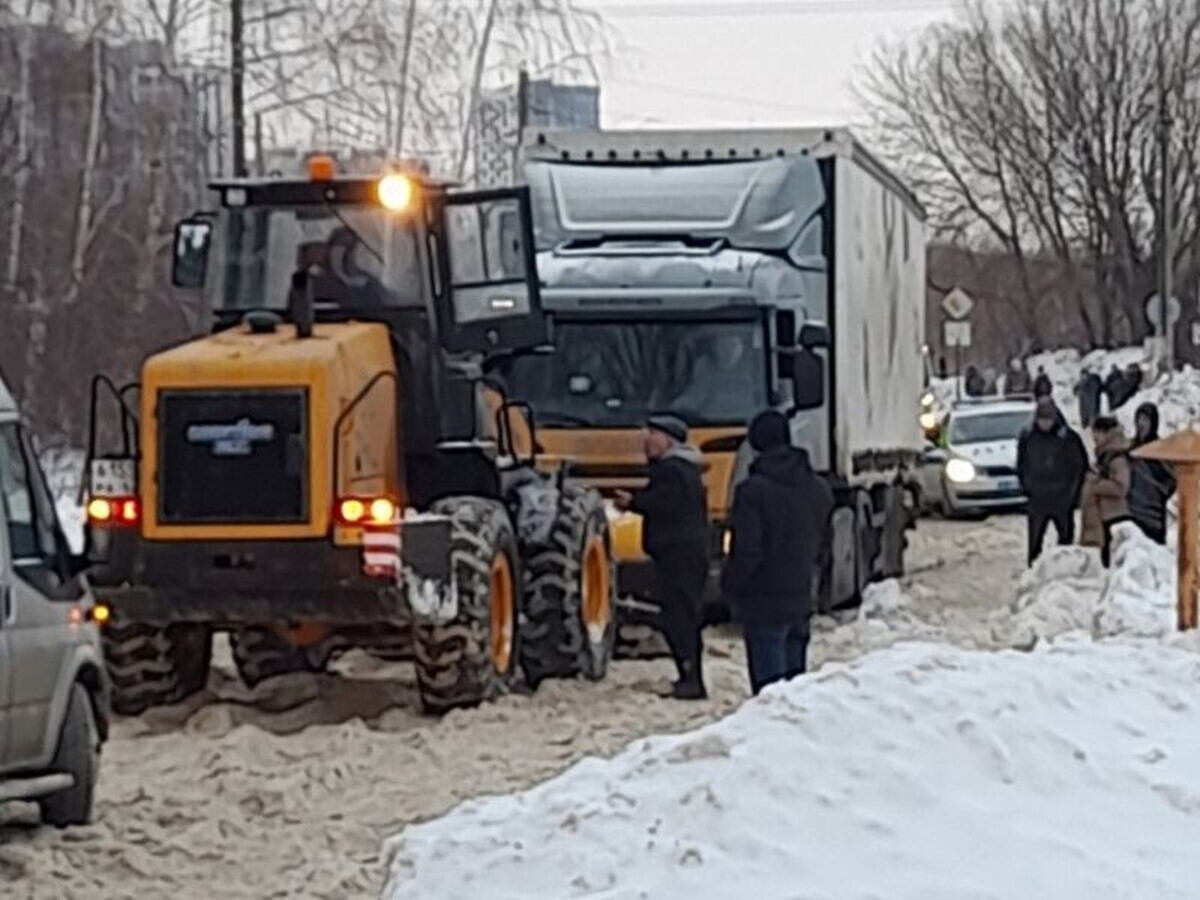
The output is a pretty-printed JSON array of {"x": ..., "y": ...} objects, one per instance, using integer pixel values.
[{"x": 960, "y": 471}]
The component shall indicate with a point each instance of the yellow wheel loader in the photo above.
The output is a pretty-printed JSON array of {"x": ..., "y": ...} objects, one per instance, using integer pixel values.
[{"x": 333, "y": 467}]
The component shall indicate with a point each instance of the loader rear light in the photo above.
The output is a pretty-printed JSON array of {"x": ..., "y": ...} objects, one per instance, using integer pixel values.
[
  {"x": 114, "y": 511},
  {"x": 361, "y": 511}
]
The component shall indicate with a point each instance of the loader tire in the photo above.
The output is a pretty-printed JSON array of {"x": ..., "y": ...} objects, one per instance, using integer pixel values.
[
  {"x": 474, "y": 657},
  {"x": 151, "y": 666},
  {"x": 260, "y": 653},
  {"x": 569, "y": 627}
]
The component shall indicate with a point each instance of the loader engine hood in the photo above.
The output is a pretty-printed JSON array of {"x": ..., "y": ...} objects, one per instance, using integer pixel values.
[{"x": 238, "y": 432}]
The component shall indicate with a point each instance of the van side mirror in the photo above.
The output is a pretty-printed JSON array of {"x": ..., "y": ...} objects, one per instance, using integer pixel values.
[{"x": 189, "y": 268}]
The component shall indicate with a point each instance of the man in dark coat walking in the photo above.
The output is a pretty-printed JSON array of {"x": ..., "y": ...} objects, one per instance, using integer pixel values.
[
  {"x": 1051, "y": 462},
  {"x": 1089, "y": 389},
  {"x": 1151, "y": 481},
  {"x": 780, "y": 526},
  {"x": 1042, "y": 385},
  {"x": 674, "y": 510}
]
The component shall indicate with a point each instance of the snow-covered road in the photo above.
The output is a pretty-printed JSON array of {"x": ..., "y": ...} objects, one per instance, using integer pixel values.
[{"x": 288, "y": 791}]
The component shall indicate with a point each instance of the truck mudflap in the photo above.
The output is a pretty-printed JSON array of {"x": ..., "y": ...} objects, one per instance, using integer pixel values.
[{"x": 413, "y": 560}]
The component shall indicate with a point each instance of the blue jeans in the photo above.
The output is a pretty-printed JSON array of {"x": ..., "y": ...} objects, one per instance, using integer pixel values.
[{"x": 775, "y": 653}]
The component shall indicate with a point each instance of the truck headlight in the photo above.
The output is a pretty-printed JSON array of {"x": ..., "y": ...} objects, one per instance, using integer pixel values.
[{"x": 960, "y": 471}]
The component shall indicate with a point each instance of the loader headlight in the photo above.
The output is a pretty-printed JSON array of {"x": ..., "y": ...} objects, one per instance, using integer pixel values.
[
  {"x": 395, "y": 192},
  {"x": 960, "y": 471}
]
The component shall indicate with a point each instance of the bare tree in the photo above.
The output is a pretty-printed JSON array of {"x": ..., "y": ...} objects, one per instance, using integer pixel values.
[{"x": 1031, "y": 129}]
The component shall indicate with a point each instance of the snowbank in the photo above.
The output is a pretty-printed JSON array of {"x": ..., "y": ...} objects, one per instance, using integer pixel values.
[
  {"x": 920, "y": 772},
  {"x": 1068, "y": 591}
]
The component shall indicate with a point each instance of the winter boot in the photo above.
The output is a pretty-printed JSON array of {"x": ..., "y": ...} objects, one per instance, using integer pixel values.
[{"x": 690, "y": 686}]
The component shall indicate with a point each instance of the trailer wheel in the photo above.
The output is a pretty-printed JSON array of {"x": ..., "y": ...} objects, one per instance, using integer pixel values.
[
  {"x": 261, "y": 653},
  {"x": 569, "y": 626},
  {"x": 154, "y": 666},
  {"x": 475, "y": 656}
]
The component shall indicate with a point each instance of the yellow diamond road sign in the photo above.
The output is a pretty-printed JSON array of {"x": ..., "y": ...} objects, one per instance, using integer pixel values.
[{"x": 958, "y": 304}]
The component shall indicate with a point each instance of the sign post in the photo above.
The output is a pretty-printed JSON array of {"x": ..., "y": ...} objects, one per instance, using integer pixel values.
[{"x": 956, "y": 330}]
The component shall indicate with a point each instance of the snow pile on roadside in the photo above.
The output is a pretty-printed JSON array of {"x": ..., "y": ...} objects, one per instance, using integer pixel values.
[
  {"x": 921, "y": 771},
  {"x": 1067, "y": 591},
  {"x": 1177, "y": 397}
]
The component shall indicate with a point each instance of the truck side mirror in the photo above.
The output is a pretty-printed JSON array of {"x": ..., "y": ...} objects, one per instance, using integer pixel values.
[
  {"x": 814, "y": 336},
  {"x": 189, "y": 268},
  {"x": 808, "y": 381}
]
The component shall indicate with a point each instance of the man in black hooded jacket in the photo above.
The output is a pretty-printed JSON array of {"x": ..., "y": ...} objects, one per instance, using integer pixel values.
[
  {"x": 1051, "y": 462},
  {"x": 1151, "y": 481},
  {"x": 780, "y": 525}
]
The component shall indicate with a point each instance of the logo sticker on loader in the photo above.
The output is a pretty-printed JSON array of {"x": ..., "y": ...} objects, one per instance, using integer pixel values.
[{"x": 237, "y": 439}]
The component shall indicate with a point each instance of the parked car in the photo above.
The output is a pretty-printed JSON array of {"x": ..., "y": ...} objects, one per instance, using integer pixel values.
[
  {"x": 972, "y": 469},
  {"x": 54, "y": 695}
]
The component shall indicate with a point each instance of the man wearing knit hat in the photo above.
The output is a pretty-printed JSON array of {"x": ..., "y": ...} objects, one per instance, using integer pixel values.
[
  {"x": 780, "y": 526},
  {"x": 1051, "y": 462},
  {"x": 674, "y": 512}
]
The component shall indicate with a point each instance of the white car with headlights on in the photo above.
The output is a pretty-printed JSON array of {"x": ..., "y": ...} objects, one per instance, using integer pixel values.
[{"x": 972, "y": 469}]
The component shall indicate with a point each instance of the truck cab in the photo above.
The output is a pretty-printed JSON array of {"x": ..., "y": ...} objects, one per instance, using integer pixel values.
[
  {"x": 715, "y": 275},
  {"x": 54, "y": 697}
]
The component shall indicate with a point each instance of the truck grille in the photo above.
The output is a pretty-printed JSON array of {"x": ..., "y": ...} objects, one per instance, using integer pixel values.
[{"x": 233, "y": 456}]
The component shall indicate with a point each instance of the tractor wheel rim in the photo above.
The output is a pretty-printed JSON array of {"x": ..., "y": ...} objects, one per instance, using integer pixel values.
[
  {"x": 597, "y": 611},
  {"x": 503, "y": 613}
]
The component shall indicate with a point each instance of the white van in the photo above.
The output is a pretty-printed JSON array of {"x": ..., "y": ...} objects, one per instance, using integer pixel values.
[{"x": 54, "y": 696}]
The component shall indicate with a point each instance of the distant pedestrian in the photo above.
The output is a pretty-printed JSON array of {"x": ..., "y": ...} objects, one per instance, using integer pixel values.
[
  {"x": 675, "y": 537},
  {"x": 1051, "y": 462},
  {"x": 1151, "y": 481},
  {"x": 974, "y": 385},
  {"x": 1042, "y": 385},
  {"x": 1133, "y": 382},
  {"x": 1106, "y": 487},
  {"x": 1114, "y": 388},
  {"x": 780, "y": 528},
  {"x": 1017, "y": 383},
  {"x": 1089, "y": 389}
]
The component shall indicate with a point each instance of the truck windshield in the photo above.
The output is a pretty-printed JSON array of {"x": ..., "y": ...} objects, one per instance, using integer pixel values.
[
  {"x": 366, "y": 256},
  {"x": 985, "y": 427},
  {"x": 615, "y": 374}
]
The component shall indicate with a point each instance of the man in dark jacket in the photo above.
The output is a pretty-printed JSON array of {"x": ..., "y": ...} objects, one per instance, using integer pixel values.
[
  {"x": 1151, "y": 481},
  {"x": 674, "y": 510},
  {"x": 1114, "y": 388},
  {"x": 1017, "y": 382},
  {"x": 1089, "y": 390},
  {"x": 1051, "y": 462},
  {"x": 780, "y": 525},
  {"x": 1042, "y": 385}
]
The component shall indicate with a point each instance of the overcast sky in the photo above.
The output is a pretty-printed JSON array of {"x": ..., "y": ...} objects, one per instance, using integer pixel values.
[{"x": 746, "y": 62}]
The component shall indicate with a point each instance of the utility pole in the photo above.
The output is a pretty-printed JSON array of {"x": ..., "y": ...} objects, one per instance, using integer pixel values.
[
  {"x": 237, "y": 77},
  {"x": 1166, "y": 226}
]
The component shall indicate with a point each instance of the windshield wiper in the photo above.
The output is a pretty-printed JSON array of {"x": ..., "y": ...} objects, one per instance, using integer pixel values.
[{"x": 563, "y": 418}]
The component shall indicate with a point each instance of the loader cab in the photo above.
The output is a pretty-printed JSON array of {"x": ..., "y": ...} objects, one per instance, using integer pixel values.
[
  {"x": 450, "y": 273},
  {"x": 400, "y": 248}
]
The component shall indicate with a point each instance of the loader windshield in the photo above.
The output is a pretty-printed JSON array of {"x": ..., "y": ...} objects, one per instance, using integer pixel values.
[
  {"x": 614, "y": 374},
  {"x": 366, "y": 257}
]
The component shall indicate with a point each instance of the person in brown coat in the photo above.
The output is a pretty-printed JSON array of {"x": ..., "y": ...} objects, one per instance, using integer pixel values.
[{"x": 1105, "y": 487}]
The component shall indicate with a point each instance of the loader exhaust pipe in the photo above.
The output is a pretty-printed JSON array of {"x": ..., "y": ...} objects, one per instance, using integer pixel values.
[{"x": 301, "y": 304}]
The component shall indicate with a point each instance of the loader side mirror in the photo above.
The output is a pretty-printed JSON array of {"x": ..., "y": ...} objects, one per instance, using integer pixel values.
[{"x": 189, "y": 268}]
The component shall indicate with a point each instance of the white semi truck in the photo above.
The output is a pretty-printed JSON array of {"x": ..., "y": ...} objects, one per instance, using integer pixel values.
[{"x": 704, "y": 273}]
